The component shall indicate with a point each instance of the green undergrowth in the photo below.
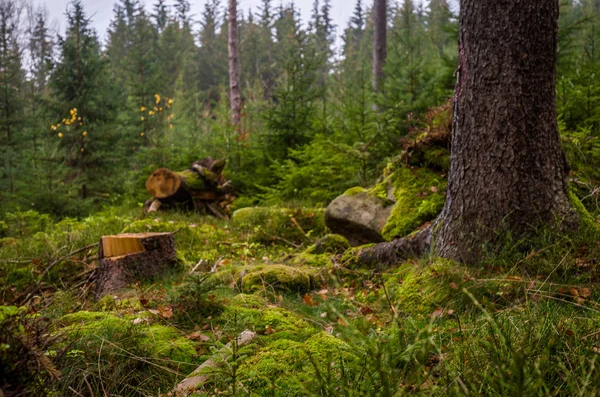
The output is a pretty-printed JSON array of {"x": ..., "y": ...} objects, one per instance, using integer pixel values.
[
  {"x": 522, "y": 322},
  {"x": 99, "y": 348},
  {"x": 419, "y": 198},
  {"x": 274, "y": 225}
]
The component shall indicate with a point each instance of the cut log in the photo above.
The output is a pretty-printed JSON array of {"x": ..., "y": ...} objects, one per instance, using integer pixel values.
[
  {"x": 163, "y": 183},
  {"x": 202, "y": 187},
  {"x": 127, "y": 258}
]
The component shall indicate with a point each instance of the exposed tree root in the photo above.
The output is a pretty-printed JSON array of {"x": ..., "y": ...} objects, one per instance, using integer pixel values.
[{"x": 385, "y": 254}]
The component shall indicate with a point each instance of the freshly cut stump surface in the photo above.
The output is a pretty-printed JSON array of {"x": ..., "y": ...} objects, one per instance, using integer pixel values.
[
  {"x": 163, "y": 183},
  {"x": 127, "y": 258}
]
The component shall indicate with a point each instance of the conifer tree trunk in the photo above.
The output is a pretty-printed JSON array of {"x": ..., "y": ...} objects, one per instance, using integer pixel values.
[
  {"x": 508, "y": 171},
  {"x": 234, "y": 77},
  {"x": 379, "y": 43}
]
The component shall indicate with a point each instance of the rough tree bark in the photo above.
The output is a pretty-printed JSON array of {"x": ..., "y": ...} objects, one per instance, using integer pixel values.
[
  {"x": 508, "y": 171},
  {"x": 379, "y": 43},
  {"x": 234, "y": 73},
  {"x": 126, "y": 258}
]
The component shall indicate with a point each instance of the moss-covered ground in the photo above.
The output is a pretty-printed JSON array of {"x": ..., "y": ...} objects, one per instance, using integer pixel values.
[{"x": 524, "y": 322}]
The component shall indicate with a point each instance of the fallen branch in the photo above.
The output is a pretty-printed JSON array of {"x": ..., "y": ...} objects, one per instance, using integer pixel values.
[
  {"x": 57, "y": 261},
  {"x": 197, "y": 378},
  {"x": 47, "y": 270}
]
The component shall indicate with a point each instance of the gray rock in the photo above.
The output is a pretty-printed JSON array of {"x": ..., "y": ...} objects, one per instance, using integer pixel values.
[{"x": 360, "y": 217}]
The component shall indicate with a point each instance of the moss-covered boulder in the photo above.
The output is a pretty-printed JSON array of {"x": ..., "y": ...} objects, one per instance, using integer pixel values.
[
  {"x": 277, "y": 225},
  {"x": 359, "y": 215},
  {"x": 278, "y": 278},
  {"x": 287, "y": 367},
  {"x": 329, "y": 244},
  {"x": 419, "y": 196},
  {"x": 87, "y": 330},
  {"x": 411, "y": 191},
  {"x": 403, "y": 201}
]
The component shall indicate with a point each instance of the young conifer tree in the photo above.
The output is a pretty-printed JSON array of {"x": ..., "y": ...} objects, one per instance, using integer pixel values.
[{"x": 11, "y": 99}]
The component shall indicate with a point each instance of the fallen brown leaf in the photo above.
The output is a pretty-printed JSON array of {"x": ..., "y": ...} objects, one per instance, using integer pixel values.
[
  {"x": 198, "y": 336},
  {"x": 308, "y": 300},
  {"x": 166, "y": 312},
  {"x": 437, "y": 313}
]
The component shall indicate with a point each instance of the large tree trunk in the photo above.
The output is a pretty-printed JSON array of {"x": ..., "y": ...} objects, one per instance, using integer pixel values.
[
  {"x": 508, "y": 172},
  {"x": 379, "y": 43},
  {"x": 234, "y": 72}
]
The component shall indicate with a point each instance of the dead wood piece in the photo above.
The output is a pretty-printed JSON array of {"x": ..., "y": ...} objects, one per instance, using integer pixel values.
[
  {"x": 163, "y": 183},
  {"x": 127, "y": 258},
  {"x": 202, "y": 188},
  {"x": 216, "y": 211},
  {"x": 155, "y": 206},
  {"x": 197, "y": 378}
]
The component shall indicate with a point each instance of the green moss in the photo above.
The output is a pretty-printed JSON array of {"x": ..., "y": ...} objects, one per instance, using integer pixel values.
[
  {"x": 278, "y": 278},
  {"x": 285, "y": 367},
  {"x": 438, "y": 158},
  {"x": 277, "y": 225},
  {"x": 419, "y": 199},
  {"x": 587, "y": 220},
  {"x": 111, "y": 303},
  {"x": 354, "y": 191},
  {"x": 92, "y": 320},
  {"x": 193, "y": 180},
  {"x": 331, "y": 243},
  {"x": 243, "y": 202},
  {"x": 419, "y": 289},
  {"x": 350, "y": 257},
  {"x": 314, "y": 260},
  {"x": 164, "y": 341},
  {"x": 87, "y": 329},
  {"x": 8, "y": 242},
  {"x": 271, "y": 322},
  {"x": 250, "y": 301},
  {"x": 381, "y": 191}
]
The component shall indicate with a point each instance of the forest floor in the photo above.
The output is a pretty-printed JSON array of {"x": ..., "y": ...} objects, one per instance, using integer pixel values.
[{"x": 522, "y": 323}]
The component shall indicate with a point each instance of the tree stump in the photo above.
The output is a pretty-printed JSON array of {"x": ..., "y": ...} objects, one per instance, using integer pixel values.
[{"x": 127, "y": 258}]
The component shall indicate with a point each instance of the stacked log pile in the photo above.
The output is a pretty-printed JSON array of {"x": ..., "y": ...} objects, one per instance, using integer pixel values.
[{"x": 202, "y": 188}]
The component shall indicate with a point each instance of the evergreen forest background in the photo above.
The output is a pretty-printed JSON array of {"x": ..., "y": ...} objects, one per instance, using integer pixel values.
[{"x": 84, "y": 122}]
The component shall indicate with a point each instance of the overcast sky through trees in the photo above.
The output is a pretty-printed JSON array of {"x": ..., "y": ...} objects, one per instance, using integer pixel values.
[{"x": 102, "y": 11}]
